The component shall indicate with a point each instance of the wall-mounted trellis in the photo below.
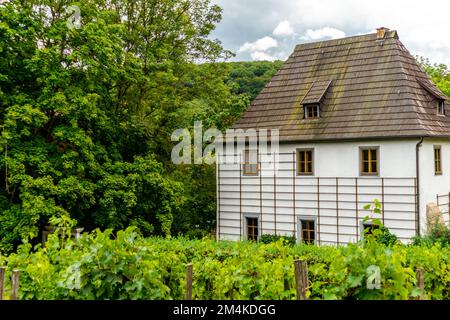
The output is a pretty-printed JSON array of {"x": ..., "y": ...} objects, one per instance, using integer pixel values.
[
  {"x": 443, "y": 203},
  {"x": 280, "y": 196}
]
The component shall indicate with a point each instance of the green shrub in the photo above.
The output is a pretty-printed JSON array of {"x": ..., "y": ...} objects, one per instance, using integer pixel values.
[
  {"x": 439, "y": 234},
  {"x": 269, "y": 238},
  {"x": 387, "y": 237},
  {"x": 378, "y": 231},
  {"x": 127, "y": 266}
]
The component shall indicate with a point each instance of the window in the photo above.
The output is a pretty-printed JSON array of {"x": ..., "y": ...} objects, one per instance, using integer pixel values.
[
  {"x": 368, "y": 228},
  {"x": 305, "y": 161},
  {"x": 307, "y": 231},
  {"x": 312, "y": 111},
  {"x": 252, "y": 228},
  {"x": 250, "y": 165},
  {"x": 441, "y": 107},
  {"x": 369, "y": 161},
  {"x": 437, "y": 160}
]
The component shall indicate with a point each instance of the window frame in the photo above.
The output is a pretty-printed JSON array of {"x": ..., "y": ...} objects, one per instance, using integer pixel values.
[
  {"x": 436, "y": 160},
  {"x": 245, "y": 233},
  {"x": 297, "y": 154},
  {"x": 311, "y": 105},
  {"x": 300, "y": 219},
  {"x": 361, "y": 161},
  {"x": 244, "y": 163},
  {"x": 441, "y": 107}
]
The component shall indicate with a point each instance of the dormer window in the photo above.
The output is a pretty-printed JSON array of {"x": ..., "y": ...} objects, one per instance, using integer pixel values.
[
  {"x": 441, "y": 107},
  {"x": 312, "y": 111},
  {"x": 314, "y": 98}
]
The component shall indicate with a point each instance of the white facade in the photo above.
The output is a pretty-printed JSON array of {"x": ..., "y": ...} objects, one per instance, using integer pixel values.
[
  {"x": 335, "y": 194},
  {"x": 432, "y": 185}
]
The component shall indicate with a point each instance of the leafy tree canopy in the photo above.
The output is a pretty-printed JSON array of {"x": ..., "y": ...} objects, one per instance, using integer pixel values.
[{"x": 81, "y": 109}]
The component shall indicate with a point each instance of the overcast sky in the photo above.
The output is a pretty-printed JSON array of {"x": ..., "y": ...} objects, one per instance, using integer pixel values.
[{"x": 269, "y": 29}]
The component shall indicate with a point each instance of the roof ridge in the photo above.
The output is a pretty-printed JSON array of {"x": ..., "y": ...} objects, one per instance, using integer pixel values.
[{"x": 389, "y": 34}]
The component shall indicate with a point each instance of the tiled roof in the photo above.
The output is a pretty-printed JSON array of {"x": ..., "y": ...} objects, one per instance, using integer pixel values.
[{"x": 377, "y": 91}]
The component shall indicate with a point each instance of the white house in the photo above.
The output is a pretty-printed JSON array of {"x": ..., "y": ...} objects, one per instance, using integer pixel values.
[{"x": 358, "y": 120}]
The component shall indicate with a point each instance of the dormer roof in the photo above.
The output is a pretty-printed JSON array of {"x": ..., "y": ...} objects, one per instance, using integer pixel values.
[{"x": 432, "y": 89}]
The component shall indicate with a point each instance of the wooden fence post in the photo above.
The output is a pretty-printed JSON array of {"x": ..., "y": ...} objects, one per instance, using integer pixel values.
[
  {"x": 301, "y": 278},
  {"x": 189, "y": 282},
  {"x": 2, "y": 281},
  {"x": 15, "y": 277},
  {"x": 421, "y": 283}
]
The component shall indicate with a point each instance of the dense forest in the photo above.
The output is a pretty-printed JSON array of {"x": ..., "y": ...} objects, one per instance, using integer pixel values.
[{"x": 87, "y": 112}]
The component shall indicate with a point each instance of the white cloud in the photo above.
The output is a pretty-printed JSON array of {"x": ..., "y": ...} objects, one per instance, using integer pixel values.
[
  {"x": 259, "y": 55},
  {"x": 262, "y": 44},
  {"x": 323, "y": 33},
  {"x": 423, "y": 28},
  {"x": 284, "y": 29},
  {"x": 257, "y": 49}
]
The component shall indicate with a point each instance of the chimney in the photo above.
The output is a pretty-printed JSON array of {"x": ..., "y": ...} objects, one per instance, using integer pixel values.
[{"x": 381, "y": 32}]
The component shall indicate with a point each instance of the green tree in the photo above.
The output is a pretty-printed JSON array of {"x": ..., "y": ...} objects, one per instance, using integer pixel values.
[
  {"x": 251, "y": 77},
  {"x": 80, "y": 109}
]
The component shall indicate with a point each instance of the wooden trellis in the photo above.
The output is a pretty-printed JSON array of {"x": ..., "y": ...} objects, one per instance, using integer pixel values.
[{"x": 331, "y": 198}]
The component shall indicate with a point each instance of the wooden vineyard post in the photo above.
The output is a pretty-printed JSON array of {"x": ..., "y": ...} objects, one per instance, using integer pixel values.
[
  {"x": 189, "y": 282},
  {"x": 421, "y": 283},
  {"x": 2, "y": 282},
  {"x": 301, "y": 278},
  {"x": 15, "y": 277}
]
